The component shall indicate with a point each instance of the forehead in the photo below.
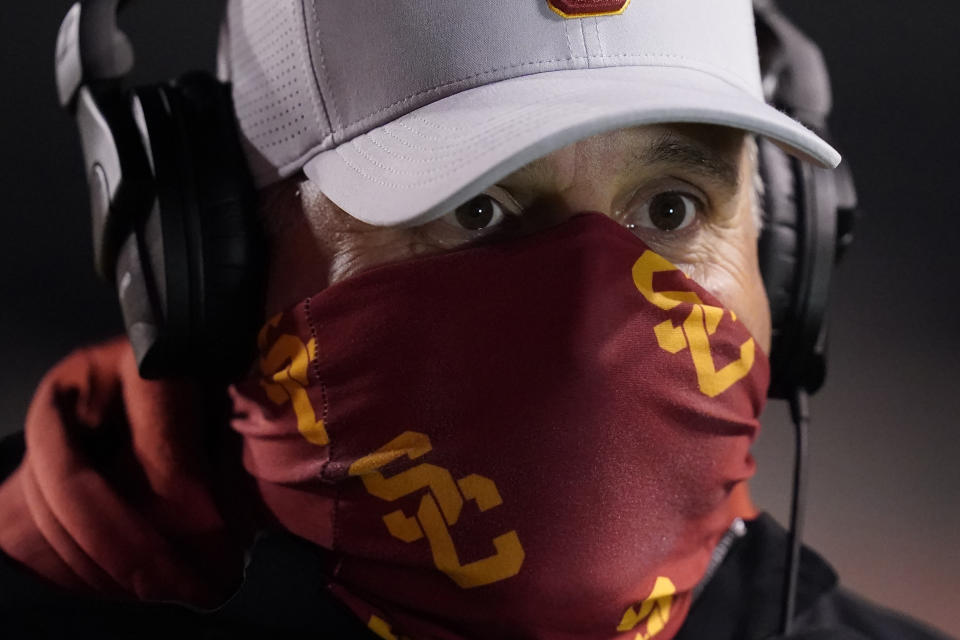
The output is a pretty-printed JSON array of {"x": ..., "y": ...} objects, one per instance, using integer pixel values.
[{"x": 714, "y": 152}]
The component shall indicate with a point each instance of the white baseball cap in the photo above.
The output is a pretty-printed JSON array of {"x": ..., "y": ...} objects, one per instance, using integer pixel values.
[{"x": 400, "y": 111}]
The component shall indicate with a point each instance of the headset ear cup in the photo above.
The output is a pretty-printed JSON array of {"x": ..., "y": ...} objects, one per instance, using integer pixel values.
[
  {"x": 778, "y": 253},
  {"x": 154, "y": 276},
  {"x": 193, "y": 301},
  {"x": 778, "y": 238},
  {"x": 230, "y": 281},
  {"x": 797, "y": 251},
  {"x": 807, "y": 210}
]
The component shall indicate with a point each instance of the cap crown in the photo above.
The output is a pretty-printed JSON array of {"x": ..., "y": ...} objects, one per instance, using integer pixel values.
[{"x": 311, "y": 74}]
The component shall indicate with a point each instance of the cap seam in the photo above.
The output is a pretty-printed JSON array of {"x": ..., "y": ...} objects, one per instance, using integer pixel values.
[
  {"x": 438, "y": 172},
  {"x": 458, "y": 145},
  {"x": 566, "y": 33},
  {"x": 322, "y": 68},
  {"x": 449, "y": 169},
  {"x": 439, "y": 149},
  {"x": 583, "y": 36},
  {"x": 596, "y": 27},
  {"x": 355, "y": 128},
  {"x": 288, "y": 169},
  {"x": 466, "y": 145}
]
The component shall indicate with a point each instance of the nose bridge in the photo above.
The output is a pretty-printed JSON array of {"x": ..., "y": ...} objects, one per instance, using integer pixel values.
[
  {"x": 556, "y": 208},
  {"x": 578, "y": 185},
  {"x": 586, "y": 195}
]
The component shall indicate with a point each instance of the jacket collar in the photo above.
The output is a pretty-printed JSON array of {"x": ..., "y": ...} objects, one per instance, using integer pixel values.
[{"x": 743, "y": 598}]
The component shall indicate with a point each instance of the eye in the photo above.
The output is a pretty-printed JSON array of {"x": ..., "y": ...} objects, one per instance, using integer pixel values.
[
  {"x": 667, "y": 211},
  {"x": 482, "y": 213},
  {"x": 495, "y": 213}
]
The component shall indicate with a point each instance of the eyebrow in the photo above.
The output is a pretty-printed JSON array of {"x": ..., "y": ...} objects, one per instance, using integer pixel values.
[
  {"x": 670, "y": 149},
  {"x": 693, "y": 156}
]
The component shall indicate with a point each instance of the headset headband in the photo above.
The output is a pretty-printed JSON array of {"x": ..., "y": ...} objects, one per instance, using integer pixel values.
[{"x": 91, "y": 47}]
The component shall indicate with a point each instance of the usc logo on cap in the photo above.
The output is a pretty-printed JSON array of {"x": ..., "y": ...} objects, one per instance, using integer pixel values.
[{"x": 588, "y": 8}]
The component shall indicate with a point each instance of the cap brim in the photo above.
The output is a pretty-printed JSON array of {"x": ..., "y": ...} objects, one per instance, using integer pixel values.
[{"x": 430, "y": 161}]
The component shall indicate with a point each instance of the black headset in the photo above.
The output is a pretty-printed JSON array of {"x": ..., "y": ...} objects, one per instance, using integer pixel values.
[
  {"x": 175, "y": 226},
  {"x": 808, "y": 212},
  {"x": 172, "y": 201}
]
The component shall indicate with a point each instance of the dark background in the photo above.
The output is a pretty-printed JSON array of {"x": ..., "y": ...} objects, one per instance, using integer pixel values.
[{"x": 885, "y": 478}]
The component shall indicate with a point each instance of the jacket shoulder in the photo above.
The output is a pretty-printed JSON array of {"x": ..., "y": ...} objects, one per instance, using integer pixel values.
[
  {"x": 841, "y": 609},
  {"x": 743, "y": 599}
]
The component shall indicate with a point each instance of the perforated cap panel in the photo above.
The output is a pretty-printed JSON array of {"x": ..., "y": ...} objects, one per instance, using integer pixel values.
[{"x": 264, "y": 53}]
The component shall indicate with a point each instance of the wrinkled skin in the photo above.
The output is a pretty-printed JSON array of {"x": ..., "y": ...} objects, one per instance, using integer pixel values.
[{"x": 314, "y": 243}]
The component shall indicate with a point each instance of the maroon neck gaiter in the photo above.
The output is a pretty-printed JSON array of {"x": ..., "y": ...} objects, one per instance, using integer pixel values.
[{"x": 533, "y": 439}]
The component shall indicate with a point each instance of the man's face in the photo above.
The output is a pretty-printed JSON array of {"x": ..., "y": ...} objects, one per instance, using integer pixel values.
[{"x": 686, "y": 190}]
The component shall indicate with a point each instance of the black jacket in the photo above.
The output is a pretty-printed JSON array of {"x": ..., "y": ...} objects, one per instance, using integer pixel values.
[{"x": 283, "y": 597}]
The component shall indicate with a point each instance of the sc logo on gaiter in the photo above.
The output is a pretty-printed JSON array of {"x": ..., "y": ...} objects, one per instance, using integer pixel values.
[
  {"x": 284, "y": 370},
  {"x": 439, "y": 509},
  {"x": 695, "y": 332},
  {"x": 653, "y": 613}
]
